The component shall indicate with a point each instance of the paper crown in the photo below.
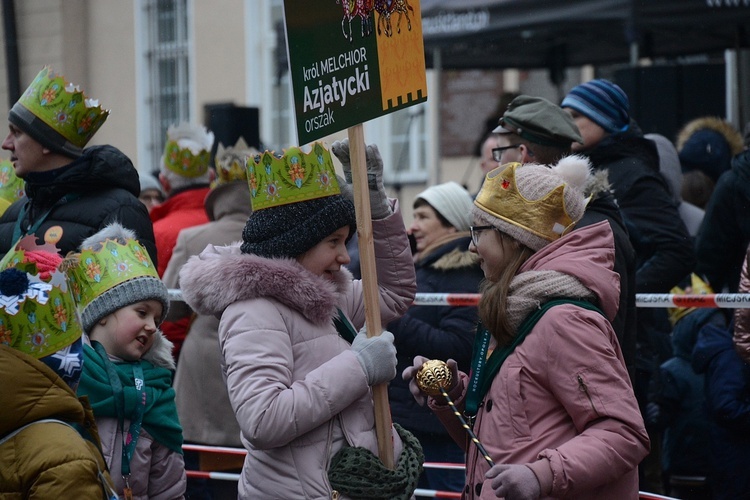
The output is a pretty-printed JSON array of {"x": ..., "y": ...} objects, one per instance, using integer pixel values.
[
  {"x": 113, "y": 264},
  {"x": 11, "y": 187},
  {"x": 187, "y": 151},
  {"x": 545, "y": 217},
  {"x": 231, "y": 162},
  {"x": 697, "y": 287},
  {"x": 296, "y": 176},
  {"x": 63, "y": 107},
  {"x": 37, "y": 313}
]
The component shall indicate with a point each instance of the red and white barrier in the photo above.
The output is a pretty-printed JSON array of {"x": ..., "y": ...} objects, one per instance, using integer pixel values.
[{"x": 653, "y": 300}]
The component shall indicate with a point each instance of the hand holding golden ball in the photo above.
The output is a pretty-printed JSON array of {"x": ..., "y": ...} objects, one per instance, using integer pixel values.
[{"x": 433, "y": 376}]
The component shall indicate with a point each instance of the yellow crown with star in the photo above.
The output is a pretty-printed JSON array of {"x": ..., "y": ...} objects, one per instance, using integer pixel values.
[
  {"x": 292, "y": 177},
  {"x": 38, "y": 314},
  {"x": 697, "y": 287},
  {"x": 63, "y": 107},
  {"x": 534, "y": 204}
]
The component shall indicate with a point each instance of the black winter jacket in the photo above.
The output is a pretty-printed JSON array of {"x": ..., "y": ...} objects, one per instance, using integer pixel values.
[
  {"x": 436, "y": 332},
  {"x": 724, "y": 235},
  {"x": 104, "y": 187},
  {"x": 663, "y": 247}
]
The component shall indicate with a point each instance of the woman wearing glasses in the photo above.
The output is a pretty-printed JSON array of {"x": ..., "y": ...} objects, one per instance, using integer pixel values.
[{"x": 549, "y": 396}]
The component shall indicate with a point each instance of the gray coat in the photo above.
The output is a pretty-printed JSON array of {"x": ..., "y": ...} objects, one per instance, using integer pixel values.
[{"x": 201, "y": 393}]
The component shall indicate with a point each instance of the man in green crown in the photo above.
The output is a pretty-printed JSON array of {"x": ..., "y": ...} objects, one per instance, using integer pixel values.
[{"x": 71, "y": 192}]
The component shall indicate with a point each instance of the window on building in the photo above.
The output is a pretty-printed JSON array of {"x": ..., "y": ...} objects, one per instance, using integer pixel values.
[{"x": 168, "y": 70}]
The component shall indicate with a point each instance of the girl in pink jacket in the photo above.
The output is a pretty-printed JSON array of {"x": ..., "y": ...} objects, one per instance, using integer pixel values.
[{"x": 548, "y": 394}]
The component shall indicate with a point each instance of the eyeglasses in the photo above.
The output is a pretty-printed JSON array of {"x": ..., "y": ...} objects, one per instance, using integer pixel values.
[
  {"x": 497, "y": 153},
  {"x": 476, "y": 231}
]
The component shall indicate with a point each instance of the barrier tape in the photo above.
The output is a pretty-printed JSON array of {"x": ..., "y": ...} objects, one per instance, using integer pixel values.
[
  {"x": 714, "y": 300},
  {"x": 419, "y": 492}
]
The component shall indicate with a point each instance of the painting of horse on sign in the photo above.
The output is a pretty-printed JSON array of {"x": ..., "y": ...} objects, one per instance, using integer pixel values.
[{"x": 364, "y": 10}]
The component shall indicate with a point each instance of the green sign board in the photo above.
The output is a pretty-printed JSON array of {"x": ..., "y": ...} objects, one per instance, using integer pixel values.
[{"x": 352, "y": 61}]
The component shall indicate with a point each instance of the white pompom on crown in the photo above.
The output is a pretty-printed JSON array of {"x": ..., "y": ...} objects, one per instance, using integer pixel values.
[{"x": 574, "y": 170}]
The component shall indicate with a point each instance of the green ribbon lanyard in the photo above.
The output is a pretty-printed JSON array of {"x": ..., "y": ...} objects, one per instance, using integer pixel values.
[
  {"x": 32, "y": 228},
  {"x": 484, "y": 369},
  {"x": 343, "y": 327},
  {"x": 129, "y": 441}
]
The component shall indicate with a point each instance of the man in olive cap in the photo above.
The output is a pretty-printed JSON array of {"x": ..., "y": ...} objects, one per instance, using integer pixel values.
[{"x": 534, "y": 130}]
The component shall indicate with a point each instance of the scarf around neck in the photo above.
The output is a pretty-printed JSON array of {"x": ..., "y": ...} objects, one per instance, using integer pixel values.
[{"x": 160, "y": 418}]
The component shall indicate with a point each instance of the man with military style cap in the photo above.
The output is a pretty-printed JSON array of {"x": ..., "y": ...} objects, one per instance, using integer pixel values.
[{"x": 534, "y": 130}]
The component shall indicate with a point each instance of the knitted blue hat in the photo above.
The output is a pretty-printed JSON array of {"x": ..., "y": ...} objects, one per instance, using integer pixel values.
[
  {"x": 602, "y": 102},
  {"x": 708, "y": 151}
]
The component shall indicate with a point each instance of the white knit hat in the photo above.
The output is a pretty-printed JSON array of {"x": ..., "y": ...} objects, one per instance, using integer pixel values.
[
  {"x": 451, "y": 201},
  {"x": 534, "y": 204}
]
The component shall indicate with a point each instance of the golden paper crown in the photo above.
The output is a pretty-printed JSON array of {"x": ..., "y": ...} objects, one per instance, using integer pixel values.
[
  {"x": 113, "y": 264},
  {"x": 187, "y": 151},
  {"x": 295, "y": 176},
  {"x": 63, "y": 107},
  {"x": 11, "y": 186},
  {"x": 546, "y": 217},
  {"x": 231, "y": 162},
  {"x": 697, "y": 287},
  {"x": 42, "y": 318}
]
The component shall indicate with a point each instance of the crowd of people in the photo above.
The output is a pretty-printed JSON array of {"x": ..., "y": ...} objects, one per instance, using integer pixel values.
[{"x": 567, "y": 389}]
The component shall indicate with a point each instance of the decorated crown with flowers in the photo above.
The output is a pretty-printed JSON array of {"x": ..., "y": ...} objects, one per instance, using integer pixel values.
[
  {"x": 37, "y": 311},
  {"x": 296, "y": 176},
  {"x": 113, "y": 270},
  {"x": 63, "y": 107},
  {"x": 187, "y": 151},
  {"x": 12, "y": 187}
]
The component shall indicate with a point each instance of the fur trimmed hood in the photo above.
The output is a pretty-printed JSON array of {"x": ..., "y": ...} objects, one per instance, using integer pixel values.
[
  {"x": 220, "y": 276},
  {"x": 160, "y": 353}
]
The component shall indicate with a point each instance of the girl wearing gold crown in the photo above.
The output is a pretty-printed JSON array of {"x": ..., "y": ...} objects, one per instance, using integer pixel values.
[
  {"x": 297, "y": 372},
  {"x": 549, "y": 394}
]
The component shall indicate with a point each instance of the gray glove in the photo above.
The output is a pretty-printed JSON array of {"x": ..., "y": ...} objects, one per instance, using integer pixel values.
[
  {"x": 514, "y": 482},
  {"x": 380, "y": 208},
  {"x": 377, "y": 355}
]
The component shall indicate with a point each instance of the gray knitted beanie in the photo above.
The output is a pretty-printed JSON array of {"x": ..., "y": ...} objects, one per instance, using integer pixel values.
[
  {"x": 136, "y": 289},
  {"x": 291, "y": 230}
]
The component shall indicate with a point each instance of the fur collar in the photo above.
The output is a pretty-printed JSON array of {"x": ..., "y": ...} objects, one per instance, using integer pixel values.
[{"x": 220, "y": 276}]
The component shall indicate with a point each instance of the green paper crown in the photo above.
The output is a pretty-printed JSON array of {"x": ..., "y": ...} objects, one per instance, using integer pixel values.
[
  {"x": 182, "y": 159},
  {"x": 43, "y": 319},
  {"x": 294, "y": 177},
  {"x": 63, "y": 107},
  {"x": 184, "y": 162},
  {"x": 11, "y": 187},
  {"x": 101, "y": 270}
]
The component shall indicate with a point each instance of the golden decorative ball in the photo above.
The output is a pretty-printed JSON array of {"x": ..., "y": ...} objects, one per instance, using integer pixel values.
[{"x": 433, "y": 375}]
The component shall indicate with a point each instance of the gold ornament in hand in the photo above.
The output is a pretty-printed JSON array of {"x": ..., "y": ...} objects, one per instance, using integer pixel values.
[{"x": 433, "y": 376}]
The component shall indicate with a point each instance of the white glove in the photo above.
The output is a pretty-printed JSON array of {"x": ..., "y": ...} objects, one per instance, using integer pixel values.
[
  {"x": 514, "y": 482},
  {"x": 380, "y": 208},
  {"x": 377, "y": 355}
]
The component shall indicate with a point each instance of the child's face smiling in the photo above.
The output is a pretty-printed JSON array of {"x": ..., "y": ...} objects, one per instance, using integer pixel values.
[
  {"x": 128, "y": 333},
  {"x": 328, "y": 256}
]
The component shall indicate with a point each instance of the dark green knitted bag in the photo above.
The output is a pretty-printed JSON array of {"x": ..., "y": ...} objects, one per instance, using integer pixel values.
[{"x": 359, "y": 474}]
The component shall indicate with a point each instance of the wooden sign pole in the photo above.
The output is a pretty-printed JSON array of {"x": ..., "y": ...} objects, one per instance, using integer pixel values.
[{"x": 357, "y": 150}]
